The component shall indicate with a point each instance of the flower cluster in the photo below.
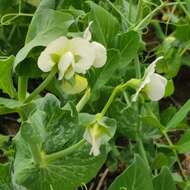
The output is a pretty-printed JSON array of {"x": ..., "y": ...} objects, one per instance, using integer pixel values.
[{"x": 72, "y": 56}]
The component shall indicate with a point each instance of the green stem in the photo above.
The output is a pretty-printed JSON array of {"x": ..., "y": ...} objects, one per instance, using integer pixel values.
[
  {"x": 175, "y": 153},
  {"x": 36, "y": 154},
  {"x": 65, "y": 152},
  {"x": 83, "y": 100},
  {"x": 42, "y": 86},
  {"x": 171, "y": 145},
  {"x": 184, "y": 9},
  {"x": 22, "y": 88},
  {"x": 150, "y": 15},
  {"x": 142, "y": 149},
  {"x": 160, "y": 34},
  {"x": 137, "y": 67},
  {"x": 139, "y": 11},
  {"x": 116, "y": 90}
]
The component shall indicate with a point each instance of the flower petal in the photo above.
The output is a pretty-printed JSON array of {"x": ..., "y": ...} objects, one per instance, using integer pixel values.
[
  {"x": 155, "y": 90},
  {"x": 150, "y": 70},
  {"x": 87, "y": 34},
  {"x": 82, "y": 49},
  {"x": 57, "y": 46},
  {"x": 45, "y": 63},
  {"x": 80, "y": 84},
  {"x": 100, "y": 54},
  {"x": 65, "y": 66}
]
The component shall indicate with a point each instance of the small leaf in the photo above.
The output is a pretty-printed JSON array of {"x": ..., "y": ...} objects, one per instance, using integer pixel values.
[
  {"x": 6, "y": 82},
  {"x": 164, "y": 180},
  {"x": 179, "y": 116},
  {"x": 105, "y": 26},
  {"x": 183, "y": 145},
  {"x": 135, "y": 177}
]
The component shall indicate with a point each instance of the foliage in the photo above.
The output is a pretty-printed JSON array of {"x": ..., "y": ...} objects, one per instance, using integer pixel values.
[{"x": 129, "y": 53}]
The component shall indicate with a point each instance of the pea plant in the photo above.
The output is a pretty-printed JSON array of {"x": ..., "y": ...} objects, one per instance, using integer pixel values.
[{"x": 90, "y": 87}]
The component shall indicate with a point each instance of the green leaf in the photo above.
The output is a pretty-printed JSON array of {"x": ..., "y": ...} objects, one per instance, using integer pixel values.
[
  {"x": 5, "y": 4},
  {"x": 128, "y": 44},
  {"x": 48, "y": 130},
  {"x": 105, "y": 26},
  {"x": 6, "y": 82},
  {"x": 135, "y": 177},
  {"x": 179, "y": 116},
  {"x": 9, "y": 105},
  {"x": 164, "y": 180},
  {"x": 5, "y": 177},
  {"x": 183, "y": 145},
  {"x": 160, "y": 160},
  {"x": 46, "y": 25}
]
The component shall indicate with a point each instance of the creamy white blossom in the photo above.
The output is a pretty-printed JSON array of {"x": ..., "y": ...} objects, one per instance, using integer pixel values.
[
  {"x": 99, "y": 133},
  {"x": 152, "y": 84},
  {"x": 76, "y": 55}
]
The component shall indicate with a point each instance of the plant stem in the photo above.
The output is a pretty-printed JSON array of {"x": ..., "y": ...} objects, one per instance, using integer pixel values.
[
  {"x": 83, "y": 100},
  {"x": 116, "y": 90},
  {"x": 137, "y": 67},
  {"x": 22, "y": 88},
  {"x": 139, "y": 11},
  {"x": 36, "y": 154},
  {"x": 171, "y": 145},
  {"x": 175, "y": 153},
  {"x": 42, "y": 86},
  {"x": 65, "y": 152},
  {"x": 151, "y": 14}
]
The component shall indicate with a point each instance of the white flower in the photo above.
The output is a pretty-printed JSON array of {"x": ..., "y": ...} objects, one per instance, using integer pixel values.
[
  {"x": 72, "y": 56},
  {"x": 93, "y": 136},
  {"x": 99, "y": 133},
  {"x": 152, "y": 84}
]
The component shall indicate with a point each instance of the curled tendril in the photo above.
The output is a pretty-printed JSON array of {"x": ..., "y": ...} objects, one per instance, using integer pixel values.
[
  {"x": 83, "y": 186},
  {"x": 5, "y": 21}
]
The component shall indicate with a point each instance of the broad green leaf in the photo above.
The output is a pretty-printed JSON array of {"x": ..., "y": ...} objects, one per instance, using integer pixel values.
[
  {"x": 105, "y": 26},
  {"x": 6, "y": 82},
  {"x": 4, "y": 4},
  {"x": 5, "y": 177},
  {"x": 183, "y": 145},
  {"x": 164, "y": 180},
  {"x": 46, "y": 25},
  {"x": 50, "y": 129},
  {"x": 128, "y": 44},
  {"x": 9, "y": 105},
  {"x": 136, "y": 177},
  {"x": 179, "y": 116}
]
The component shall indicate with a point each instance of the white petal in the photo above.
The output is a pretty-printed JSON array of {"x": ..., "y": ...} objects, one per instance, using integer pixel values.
[
  {"x": 95, "y": 150},
  {"x": 100, "y": 54},
  {"x": 57, "y": 46},
  {"x": 150, "y": 70},
  {"x": 83, "y": 49},
  {"x": 45, "y": 63},
  {"x": 87, "y": 34},
  {"x": 155, "y": 90},
  {"x": 65, "y": 66}
]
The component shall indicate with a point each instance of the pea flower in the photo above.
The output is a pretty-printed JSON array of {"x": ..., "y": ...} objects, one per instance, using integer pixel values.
[
  {"x": 76, "y": 55},
  {"x": 99, "y": 133},
  {"x": 152, "y": 84}
]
